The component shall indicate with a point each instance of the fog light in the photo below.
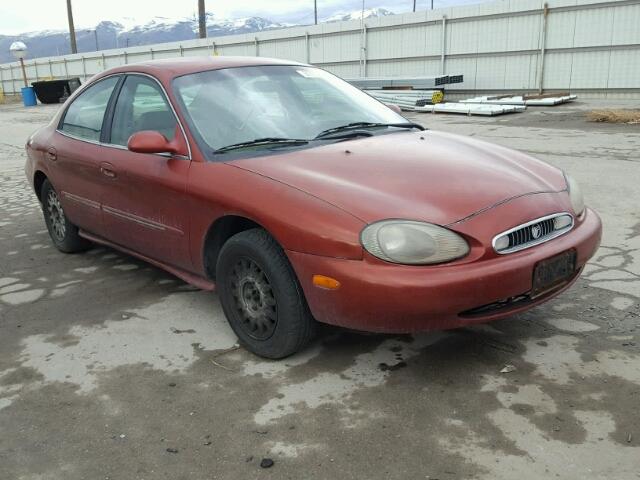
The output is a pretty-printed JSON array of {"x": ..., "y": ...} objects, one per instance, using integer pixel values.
[
  {"x": 562, "y": 222},
  {"x": 502, "y": 243}
]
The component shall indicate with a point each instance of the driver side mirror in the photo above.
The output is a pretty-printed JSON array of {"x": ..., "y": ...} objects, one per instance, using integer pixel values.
[{"x": 150, "y": 141}]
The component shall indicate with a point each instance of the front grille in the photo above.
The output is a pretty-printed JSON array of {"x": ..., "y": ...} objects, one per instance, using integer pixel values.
[
  {"x": 526, "y": 235},
  {"x": 533, "y": 233}
]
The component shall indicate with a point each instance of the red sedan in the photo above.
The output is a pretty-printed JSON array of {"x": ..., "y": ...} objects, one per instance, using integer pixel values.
[{"x": 303, "y": 199}]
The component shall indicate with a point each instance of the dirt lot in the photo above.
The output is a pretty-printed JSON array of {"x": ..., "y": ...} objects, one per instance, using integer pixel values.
[{"x": 112, "y": 369}]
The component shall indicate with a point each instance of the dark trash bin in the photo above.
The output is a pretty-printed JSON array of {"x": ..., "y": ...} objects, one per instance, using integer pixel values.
[{"x": 55, "y": 91}]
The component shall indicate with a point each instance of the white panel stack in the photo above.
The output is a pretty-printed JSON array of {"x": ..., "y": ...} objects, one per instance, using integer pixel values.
[
  {"x": 471, "y": 109},
  {"x": 541, "y": 101}
]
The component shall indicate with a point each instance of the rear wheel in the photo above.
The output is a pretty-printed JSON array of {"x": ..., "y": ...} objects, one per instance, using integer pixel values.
[
  {"x": 261, "y": 296},
  {"x": 63, "y": 233}
]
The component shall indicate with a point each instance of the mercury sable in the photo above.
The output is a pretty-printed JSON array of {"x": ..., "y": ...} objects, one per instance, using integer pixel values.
[{"x": 302, "y": 199}]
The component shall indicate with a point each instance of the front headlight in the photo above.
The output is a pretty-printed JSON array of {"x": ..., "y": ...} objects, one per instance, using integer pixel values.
[
  {"x": 575, "y": 195},
  {"x": 412, "y": 243}
]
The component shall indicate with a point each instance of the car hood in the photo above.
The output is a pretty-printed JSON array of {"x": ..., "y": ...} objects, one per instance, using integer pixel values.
[{"x": 431, "y": 176}]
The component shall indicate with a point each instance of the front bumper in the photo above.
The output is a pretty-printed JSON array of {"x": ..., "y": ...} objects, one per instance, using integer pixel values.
[{"x": 383, "y": 297}]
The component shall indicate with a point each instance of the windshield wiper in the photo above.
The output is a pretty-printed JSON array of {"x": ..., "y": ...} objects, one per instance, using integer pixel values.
[
  {"x": 281, "y": 141},
  {"x": 362, "y": 125},
  {"x": 262, "y": 141}
]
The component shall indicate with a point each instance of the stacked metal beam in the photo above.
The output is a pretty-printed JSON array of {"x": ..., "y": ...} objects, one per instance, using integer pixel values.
[
  {"x": 377, "y": 83},
  {"x": 407, "y": 99}
]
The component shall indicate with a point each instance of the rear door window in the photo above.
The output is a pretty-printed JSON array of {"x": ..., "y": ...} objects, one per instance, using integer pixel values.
[{"x": 85, "y": 116}]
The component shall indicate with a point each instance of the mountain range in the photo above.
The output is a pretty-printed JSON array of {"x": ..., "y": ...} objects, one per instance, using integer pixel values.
[{"x": 125, "y": 32}]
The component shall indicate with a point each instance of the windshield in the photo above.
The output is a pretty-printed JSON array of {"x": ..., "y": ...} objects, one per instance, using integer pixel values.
[{"x": 236, "y": 105}]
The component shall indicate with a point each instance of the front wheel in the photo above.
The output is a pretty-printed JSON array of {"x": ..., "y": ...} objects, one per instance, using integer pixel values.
[
  {"x": 261, "y": 296},
  {"x": 63, "y": 233}
]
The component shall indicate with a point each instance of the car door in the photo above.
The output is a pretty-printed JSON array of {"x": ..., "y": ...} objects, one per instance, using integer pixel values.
[
  {"x": 75, "y": 154},
  {"x": 144, "y": 204}
]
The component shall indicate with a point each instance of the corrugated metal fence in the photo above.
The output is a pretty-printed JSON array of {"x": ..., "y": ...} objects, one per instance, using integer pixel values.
[{"x": 508, "y": 45}]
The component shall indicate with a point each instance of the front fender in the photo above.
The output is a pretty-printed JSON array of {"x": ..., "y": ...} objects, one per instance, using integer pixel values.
[{"x": 298, "y": 221}]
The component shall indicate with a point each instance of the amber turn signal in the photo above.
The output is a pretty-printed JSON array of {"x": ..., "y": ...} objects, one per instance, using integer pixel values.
[{"x": 323, "y": 281}]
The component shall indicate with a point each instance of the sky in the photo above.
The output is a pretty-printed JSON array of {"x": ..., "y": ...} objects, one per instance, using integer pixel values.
[{"x": 31, "y": 15}]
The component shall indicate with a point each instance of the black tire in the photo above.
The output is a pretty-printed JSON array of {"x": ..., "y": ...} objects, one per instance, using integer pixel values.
[
  {"x": 63, "y": 233},
  {"x": 261, "y": 296}
]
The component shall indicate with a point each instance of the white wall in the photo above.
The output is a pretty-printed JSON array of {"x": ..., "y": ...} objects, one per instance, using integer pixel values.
[{"x": 590, "y": 46}]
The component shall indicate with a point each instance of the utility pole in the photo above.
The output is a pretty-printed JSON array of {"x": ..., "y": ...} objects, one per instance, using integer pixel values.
[
  {"x": 315, "y": 12},
  {"x": 95, "y": 34},
  {"x": 202, "y": 19},
  {"x": 72, "y": 30},
  {"x": 414, "y": 5}
]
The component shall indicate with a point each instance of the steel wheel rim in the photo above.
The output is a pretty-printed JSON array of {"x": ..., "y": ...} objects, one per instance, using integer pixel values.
[
  {"x": 56, "y": 216},
  {"x": 253, "y": 298}
]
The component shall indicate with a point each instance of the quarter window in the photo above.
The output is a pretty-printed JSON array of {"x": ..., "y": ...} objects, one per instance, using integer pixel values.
[
  {"x": 141, "y": 105},
  {"x": 85, "y": 115}
]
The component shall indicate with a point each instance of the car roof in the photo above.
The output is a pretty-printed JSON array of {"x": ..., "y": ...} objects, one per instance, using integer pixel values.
[{"x": 174, "y": 67}]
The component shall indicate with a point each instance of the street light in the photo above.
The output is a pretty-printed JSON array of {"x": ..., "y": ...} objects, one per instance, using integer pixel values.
[{"x": 19, "y": 50}]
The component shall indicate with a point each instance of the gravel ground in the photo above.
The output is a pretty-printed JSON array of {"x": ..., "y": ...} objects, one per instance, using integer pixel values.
[{"x": 112, "y": 369}]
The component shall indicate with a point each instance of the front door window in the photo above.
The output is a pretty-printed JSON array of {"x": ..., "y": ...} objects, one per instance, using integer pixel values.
[{"x": 141, "y": 106}]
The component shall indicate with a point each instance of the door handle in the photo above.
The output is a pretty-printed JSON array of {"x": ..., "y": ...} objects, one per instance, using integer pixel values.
[
  {"x": 52, "y": 154},
  {"x": 107, "y": 172}
]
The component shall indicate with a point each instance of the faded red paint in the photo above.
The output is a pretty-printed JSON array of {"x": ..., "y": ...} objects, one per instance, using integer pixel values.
[{"x": 315, "y": 202}]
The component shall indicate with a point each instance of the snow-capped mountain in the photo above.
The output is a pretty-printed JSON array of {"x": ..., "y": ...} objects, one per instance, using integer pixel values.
[
  {"x": 358, "y": 14},
  {"x": 125, "y": 31}
]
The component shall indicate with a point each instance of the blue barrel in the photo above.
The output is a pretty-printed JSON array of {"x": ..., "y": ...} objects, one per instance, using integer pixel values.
[{"x": 28, "y": 97}]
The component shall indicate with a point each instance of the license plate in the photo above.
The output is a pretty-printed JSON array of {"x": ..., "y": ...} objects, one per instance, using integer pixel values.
[{"x": 553, "y": 272}]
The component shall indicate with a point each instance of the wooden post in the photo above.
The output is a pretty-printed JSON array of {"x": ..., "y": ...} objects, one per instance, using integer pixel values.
[
  {"x": 24, "y": 73},
  {"x": 543, "y": 45},
  {"x": 444, "y": 45},
  {"x": 307, "y": 47},
  {"x": 13, "y": 81},
  {"x": 202, "y": 19},
  {"x": 72, "y": 30},
  {"x": 365, "y": 52}
]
